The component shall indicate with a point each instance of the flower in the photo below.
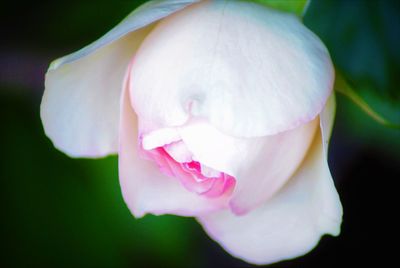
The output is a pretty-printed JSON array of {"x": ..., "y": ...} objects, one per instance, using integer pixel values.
[{"x": 224, "y": 114}]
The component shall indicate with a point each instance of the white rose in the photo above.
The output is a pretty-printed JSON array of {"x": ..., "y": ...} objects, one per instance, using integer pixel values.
[{"x": 224, "y": 114}]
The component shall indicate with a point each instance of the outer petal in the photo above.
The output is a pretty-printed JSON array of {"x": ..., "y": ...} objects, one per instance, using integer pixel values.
[
  {"x": 260, "y": 165},
  {"x": 250, "y": 70},
  {"x": 288, "y": 225},
  {"x": 326, "y": 121},
  {"x": 144, "y": 187},
  {"x": 80, "y": 106}
]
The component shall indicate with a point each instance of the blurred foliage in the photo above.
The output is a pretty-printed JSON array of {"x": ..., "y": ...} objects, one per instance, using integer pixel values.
[
  {"x": 294, "y": 6},
  {"x": 364, "y": 39},
  {"x": 342, "y": 86},
  {"x": 63, "y": 212}
]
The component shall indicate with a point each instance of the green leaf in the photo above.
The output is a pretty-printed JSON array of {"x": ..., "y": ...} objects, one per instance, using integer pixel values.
[
  {"x": 343, "y": 87},
  {"x": 297, "y": 7}
]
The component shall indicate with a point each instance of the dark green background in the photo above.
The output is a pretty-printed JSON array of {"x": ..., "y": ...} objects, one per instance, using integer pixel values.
[{"x": 63, "y": 212}]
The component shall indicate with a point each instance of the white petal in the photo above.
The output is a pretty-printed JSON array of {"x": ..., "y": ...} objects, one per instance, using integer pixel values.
[
  {"x": 288, "y": 225},
  {"x": 260, "y": 165},
  {"x": 144, "y": 187},
  {"x": 149, "y": 12},
  {"x": 80, "y": 106},
  {"x": 159, "y": 138},
  {"x": 250, "y": 70},
  {"x": 327, "y": 117}
]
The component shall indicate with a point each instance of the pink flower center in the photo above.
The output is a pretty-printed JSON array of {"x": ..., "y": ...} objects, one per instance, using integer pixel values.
[{"x": 194, "y": 176}]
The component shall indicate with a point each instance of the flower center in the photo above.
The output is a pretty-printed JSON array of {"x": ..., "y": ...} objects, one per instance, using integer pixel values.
[{"x": 175, "y": 160}]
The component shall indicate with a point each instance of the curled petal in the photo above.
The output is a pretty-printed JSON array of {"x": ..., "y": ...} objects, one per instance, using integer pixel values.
[
  {"x": 141, "y": 17},
  {"x": 291, "y": 223},
  {"x": 80, "y": 105}
]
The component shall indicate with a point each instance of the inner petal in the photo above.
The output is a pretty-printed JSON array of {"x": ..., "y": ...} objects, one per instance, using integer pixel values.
[
  {"x": 179, "y": 152},
  {"x": 175, "y": 160}
]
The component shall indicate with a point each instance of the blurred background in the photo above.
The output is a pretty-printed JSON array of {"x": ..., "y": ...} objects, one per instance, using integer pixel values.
[{"x": 63, "y": 212}]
